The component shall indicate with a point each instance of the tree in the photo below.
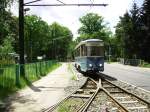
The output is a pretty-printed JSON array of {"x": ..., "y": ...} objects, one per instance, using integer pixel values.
[
  {"x": 145, "y": 20},
  {"x": 61, "y": 38},
  {"x": 7, "y": 47},
  {"x": 91, "y": 23},
  {"x": 36, "y": 36},
  {"x": 128, "y": 33},
  {"x": 5, "y": 18},
  {"x": 43, "y": 39},
  {"x": 93, "y": 27}
]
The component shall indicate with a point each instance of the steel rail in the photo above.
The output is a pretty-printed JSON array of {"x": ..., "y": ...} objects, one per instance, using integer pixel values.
[
  {"x": 86, "y": 104},
  {"x": 58, "y": 103},
  {"x": 84, "y": 108},
  {"x": 100, "y": 88},
  {"x": 114, "y": 100},
  {"x": 50, "y": 109},
  {"x": 55, "y": 105},
  {"x": 148, "y": 103}
]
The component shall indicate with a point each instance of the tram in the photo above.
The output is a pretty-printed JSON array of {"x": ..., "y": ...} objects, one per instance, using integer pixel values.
[{"x": 89, "y": 56}]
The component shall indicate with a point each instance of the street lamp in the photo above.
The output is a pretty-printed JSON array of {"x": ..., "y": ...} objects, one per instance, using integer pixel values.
[{"x": 26, "y": 9}]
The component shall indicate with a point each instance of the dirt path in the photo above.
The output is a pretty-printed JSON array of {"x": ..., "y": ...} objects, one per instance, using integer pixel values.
[{"x": 42, "y": 94}]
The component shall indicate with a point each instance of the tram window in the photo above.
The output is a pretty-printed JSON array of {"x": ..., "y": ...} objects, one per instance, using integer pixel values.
[
  {"x": 78, "y": 52},
  {"x": 83, "y": 50},
  {"x": 95, "y": 51}
]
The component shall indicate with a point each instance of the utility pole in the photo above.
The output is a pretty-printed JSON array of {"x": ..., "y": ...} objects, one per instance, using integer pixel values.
[
  {"x": 109, "y": 51},
  {"x": 21, "y": 37}
]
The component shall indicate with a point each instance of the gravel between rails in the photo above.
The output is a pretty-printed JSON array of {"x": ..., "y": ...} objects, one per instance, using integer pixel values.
[
  {"x": 103, "y": 103},
  {"x": 71, "y": 105},
  {"x": 133, "y": 89},
  {"x": 74, "y": 84}
]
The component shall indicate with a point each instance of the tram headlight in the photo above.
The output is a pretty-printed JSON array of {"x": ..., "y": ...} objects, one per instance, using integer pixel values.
[
  {"x": 90, "y": 65},
  {"x": 100, "y": 65}
]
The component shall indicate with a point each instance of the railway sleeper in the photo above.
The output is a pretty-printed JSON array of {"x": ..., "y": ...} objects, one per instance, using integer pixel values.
[
  {"x": 106, "y": 86},
  {"x": 133, "y": 105},
  {"x": 138, "y": 109},
  {"x": 114, "y": 92},
  {"x": 85, "y": 91},
  {"x": 80, "y": 96},
  {"x": 129, "y": 102},
  {"x": 122, "y": 97}
]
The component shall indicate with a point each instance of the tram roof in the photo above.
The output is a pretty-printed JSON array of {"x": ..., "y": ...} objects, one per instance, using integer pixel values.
[{"x": 88, "y": 40}]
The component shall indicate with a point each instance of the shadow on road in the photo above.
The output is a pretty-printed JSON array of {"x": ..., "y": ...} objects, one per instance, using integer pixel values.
[
  {"x": 104, "y": 76},
  {"x": 31, "y": 86}
]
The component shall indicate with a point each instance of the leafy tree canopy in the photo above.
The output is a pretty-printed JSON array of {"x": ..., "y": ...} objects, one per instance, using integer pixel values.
[{"x": 93, "y": 26}]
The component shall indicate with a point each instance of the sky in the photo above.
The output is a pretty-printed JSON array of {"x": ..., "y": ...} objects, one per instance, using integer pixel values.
[{"x": 69, "y": 16}]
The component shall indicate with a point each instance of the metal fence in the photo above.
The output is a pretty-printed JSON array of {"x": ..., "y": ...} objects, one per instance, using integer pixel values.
[
  {"x": 133, "y": 62},
  {"x": 10, "y": 75}
]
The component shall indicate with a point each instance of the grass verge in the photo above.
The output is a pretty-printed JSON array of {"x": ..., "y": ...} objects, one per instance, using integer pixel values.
[
  {"x": 70, "y": 105},
  {"x": 73, "y": 74},
  {"x": 145, "y": 64},
  {"x": 24, "y": 81}
]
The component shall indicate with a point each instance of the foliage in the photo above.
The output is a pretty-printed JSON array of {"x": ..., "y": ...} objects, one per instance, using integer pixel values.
[
  {"x": 93, "y": 26},
  {"x": 145, "y": 21},
  {"x": 8, "y": 33},
  {"x": 61, "y": 40},
  {"x": 132, "y": 33},
  {"x": 43, "y": 39},
  {"x": 91, "y": 23},
  {"x": 145, "y": 64},
  {"x": 36, "y": 36},
  {"x": 7, "y": 21},
  {"x": 7, "y": 47}
]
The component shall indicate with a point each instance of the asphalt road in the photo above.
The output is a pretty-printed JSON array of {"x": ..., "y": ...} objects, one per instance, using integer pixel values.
[{"x": 137, "y": 76}]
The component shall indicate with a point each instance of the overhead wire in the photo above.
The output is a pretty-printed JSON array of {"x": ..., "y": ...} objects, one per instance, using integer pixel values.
[{"x": 60, "y": 2}]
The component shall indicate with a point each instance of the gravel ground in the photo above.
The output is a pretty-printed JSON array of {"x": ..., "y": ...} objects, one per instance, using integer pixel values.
[
  {"x": 75, "y": 84},
  {"x": 144, "y": 94},
  {"x": 102, "y": 103}
]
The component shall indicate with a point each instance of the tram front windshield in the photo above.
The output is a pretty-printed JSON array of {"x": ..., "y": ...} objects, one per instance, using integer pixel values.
[{"x": 95, "y": 51}]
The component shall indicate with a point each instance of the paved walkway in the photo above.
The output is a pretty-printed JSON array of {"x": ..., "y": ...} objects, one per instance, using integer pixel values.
[
  {"x": 43, "y": 93},
  {"x": 137, "y": 76}
]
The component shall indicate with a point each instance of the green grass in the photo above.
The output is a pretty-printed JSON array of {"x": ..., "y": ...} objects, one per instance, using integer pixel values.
[
  {"x": 73, "y": 75},
  {"x": 33, "y": 73},
  {"x": 145, "y": 64},
  {"x": 4, "y": 92},
  {"x": 70, "y": 105}
]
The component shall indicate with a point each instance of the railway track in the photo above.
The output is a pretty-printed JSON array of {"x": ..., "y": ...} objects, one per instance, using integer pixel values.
[
  {"x": 101, "y": 96},
  {"x": 128, "y": 101},
  {"x": 76, "y": 100}
]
